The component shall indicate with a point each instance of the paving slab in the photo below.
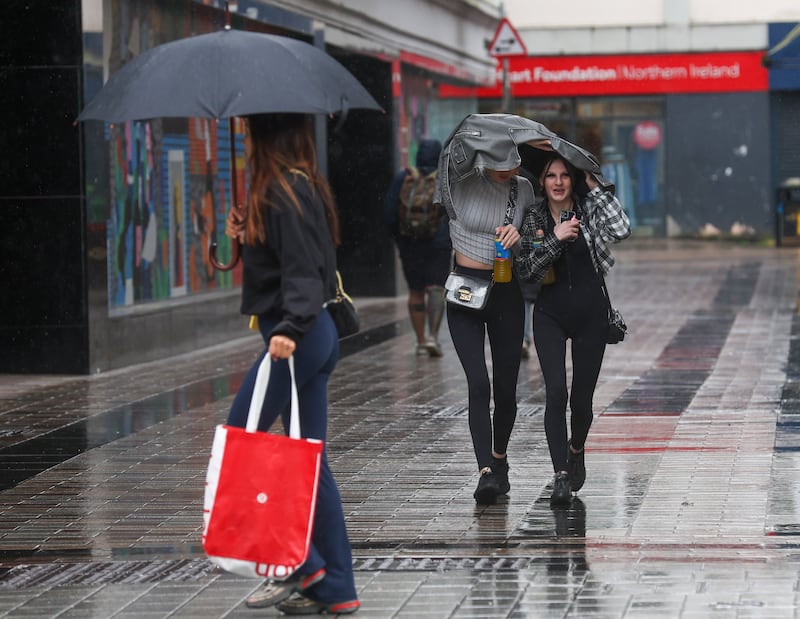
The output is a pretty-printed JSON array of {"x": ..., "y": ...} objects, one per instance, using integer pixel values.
[{"x": 691, "y": 506}]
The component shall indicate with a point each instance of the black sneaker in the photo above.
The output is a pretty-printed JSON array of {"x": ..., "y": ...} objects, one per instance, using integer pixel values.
[
  {"x": 562, "y": 493},
  {"x": 500, "y": 469},
  {"x": 487, "y": 490},
  {"x": 576, "y": 467}
]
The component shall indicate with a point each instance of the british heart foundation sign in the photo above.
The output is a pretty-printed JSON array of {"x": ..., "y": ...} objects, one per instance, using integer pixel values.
[
  {"x": 559, "y": 76},
  {"x": 647, "y": 134}
]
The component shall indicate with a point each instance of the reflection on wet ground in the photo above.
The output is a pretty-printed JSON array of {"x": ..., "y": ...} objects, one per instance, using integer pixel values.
[
  {"x": 690, "y": 508},
  {"x": 26, "y": 458}
]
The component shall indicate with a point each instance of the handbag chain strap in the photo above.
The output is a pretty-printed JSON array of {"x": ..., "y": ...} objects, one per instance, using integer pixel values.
[{"x": 511, "y": 206}]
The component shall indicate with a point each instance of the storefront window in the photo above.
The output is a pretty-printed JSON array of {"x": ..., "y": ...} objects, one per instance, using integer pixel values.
[{"x": 626, "y": 135}]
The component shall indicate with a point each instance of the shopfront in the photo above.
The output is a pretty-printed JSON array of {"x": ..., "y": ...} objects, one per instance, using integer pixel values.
[
  {"x": 678, "y": 133},
  {"x": 783, "y": 60}
]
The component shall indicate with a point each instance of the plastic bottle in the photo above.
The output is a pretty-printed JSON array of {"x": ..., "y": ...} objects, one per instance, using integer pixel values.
[
  {"x": 502, "y": 263},
  {"x": 550, "y": 276}
]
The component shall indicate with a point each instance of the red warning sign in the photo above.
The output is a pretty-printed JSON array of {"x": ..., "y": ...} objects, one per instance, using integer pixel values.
[{"x": 506, "y": 41}]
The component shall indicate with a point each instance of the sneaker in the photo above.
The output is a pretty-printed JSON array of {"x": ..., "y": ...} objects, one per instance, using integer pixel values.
[
  {"x": 301, "y": 605},
  {"x": 576, "y": 467},
  {"x": 500, "y": 469},
  {"x": 487, "y": 490},
  {"x": 434, "y": 349},
  {"x": 422, "y": 349},
  {"x": 562, "y": 493},
  {"x": 526, "y": 350},
  {"x": 275, "y": 591}
]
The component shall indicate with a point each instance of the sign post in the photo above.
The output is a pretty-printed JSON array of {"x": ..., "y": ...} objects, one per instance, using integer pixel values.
[{"x": 506, "y": 43}]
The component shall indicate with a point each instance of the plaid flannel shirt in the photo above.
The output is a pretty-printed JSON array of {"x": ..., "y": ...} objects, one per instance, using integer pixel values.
[{"x": 603, "y": 219}]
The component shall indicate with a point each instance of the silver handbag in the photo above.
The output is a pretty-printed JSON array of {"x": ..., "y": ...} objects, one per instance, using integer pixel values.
[{"x": 467, "y": 291}]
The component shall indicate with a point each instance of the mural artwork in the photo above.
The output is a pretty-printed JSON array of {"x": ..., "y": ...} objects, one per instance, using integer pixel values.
[
  {"x": 169, "y": 185},
  {"x": 169, "y": 197}
]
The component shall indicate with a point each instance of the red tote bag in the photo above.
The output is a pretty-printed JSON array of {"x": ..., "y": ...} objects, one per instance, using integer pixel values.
[{"x": 261, "y": 492}]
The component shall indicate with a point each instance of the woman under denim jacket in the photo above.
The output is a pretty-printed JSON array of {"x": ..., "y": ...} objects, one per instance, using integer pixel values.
[
  {"x": 602, "y": 219},
  {"x": 571, "y": 306}
]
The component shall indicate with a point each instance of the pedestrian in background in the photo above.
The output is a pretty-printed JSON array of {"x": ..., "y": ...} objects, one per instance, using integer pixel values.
[
  {"x": 488, "y": 202},
  {"x": 289, "y": 232},
  {"x": 567, "y": 234},
  {"x": 421, "y": 232},
  {"x": 530, "y": 290}
]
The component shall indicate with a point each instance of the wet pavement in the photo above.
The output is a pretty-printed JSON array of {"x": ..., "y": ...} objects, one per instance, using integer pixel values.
[{"x": 691, "y": 506}]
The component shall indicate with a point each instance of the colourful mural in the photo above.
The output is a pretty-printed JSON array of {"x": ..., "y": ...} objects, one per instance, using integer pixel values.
[
  {"x": 169, "y": 198},
  {"x": 169, "y": 186}
]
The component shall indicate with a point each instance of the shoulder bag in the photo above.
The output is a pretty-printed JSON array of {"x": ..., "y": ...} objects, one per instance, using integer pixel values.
[{"x": 343, "y": 311}]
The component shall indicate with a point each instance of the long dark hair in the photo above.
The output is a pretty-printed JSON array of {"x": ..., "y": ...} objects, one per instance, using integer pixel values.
[
  {"x": 579, "y": 187},
  {"x": 281, "y": 143}
]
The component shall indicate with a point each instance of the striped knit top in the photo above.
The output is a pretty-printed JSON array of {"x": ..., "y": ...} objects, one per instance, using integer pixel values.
[{"x": 479, "y": 206}]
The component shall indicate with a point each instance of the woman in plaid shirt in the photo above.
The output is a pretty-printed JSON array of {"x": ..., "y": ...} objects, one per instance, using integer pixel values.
[{"x": 569, "y": 255}]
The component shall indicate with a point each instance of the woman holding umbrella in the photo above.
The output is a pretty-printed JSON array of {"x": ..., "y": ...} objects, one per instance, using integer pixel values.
[
  {"x": 568, "y": 233},
  {"x": 289, "y": 232}
]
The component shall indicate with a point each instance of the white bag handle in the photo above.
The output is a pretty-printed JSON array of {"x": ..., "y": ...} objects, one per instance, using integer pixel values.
[{"x": 260, "y": 391}]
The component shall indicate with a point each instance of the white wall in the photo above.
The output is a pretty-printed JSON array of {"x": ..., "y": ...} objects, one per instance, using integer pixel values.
[
  {"x": 579, "y": 13},
  {"x": 718, "y": 11},
  {"x": 646, "y": 26},
  {"x": 592, "y": 13}
]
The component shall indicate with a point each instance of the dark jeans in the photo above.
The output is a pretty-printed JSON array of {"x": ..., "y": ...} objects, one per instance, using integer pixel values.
[
  {"x": 503, "y": 319},
  {"x": 315, "y": 358}
]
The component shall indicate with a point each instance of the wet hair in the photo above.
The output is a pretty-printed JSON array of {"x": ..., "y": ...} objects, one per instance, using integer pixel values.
[{"x": 281, "y": 143}]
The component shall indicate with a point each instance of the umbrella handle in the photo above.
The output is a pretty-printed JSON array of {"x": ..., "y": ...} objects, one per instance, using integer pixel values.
[{"x": 235, "y": 252}]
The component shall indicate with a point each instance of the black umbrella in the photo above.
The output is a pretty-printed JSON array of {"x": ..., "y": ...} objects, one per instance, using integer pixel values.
[
  {"x": 225, "y": 74},
  {"x": 228, "y": 73}
]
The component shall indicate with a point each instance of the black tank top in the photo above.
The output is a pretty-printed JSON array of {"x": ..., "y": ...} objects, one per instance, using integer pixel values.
[{"x": 576, "y": 294}]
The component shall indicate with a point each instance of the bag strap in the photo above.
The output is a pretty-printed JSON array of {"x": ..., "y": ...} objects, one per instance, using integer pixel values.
[
  {"x": 602, "y": 278},
  {"x": 511, "y": 207},
  {"x": 341, "y": 295},
  {"x": 260, "y": 392}
]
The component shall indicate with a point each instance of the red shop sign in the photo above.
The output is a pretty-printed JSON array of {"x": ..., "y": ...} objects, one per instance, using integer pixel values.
[{"x": 560, "y": 76}]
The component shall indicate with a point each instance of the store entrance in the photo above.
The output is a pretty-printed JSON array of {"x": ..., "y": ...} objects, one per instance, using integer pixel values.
[{"x": 626, "y": 135}]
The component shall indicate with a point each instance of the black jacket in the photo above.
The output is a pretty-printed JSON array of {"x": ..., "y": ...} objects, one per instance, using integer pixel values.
[{"x": 289, "y": 277}]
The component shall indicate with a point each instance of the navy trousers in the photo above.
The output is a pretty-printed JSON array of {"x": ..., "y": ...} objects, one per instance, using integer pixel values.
[{"x": 315, "y": 358}]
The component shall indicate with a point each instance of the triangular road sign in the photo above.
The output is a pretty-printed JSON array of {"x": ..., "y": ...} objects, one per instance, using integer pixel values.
[{"x": 506, "y": 41}]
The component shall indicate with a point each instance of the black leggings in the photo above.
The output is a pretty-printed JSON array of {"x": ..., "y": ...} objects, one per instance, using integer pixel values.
[
  {"x": 550, "y": 333},
  {"x": 503, "y": 319}
]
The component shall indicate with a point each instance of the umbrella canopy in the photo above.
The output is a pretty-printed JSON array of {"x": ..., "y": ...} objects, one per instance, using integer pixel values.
[
  {"x": 228, "y": 73},
  {"x": 225, "y": 74},
  {"x": 495, "y": 141}
]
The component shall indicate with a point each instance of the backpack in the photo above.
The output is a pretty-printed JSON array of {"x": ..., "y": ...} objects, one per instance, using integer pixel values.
[{"x": 418, "y": 216}]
